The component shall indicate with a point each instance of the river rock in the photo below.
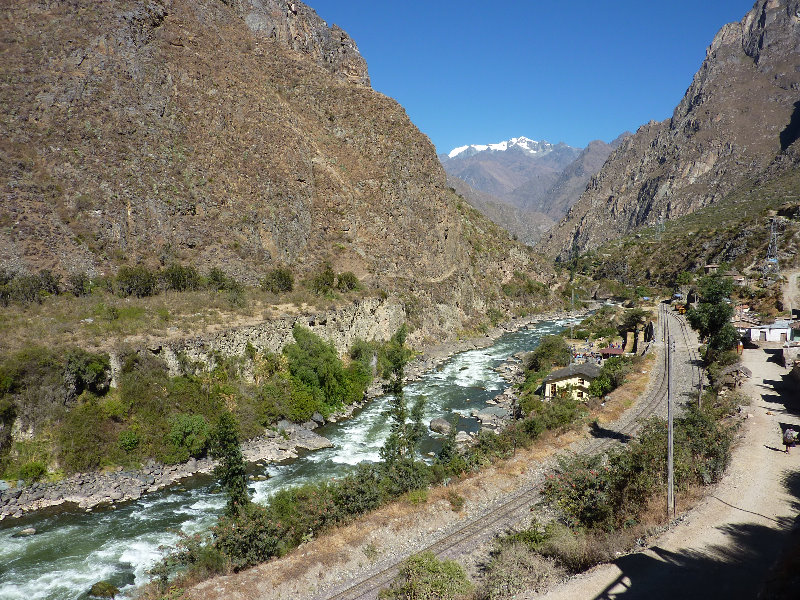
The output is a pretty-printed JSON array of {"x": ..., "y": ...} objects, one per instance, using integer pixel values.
[
  {"x": 318, "y": 418},
  {"x": 440, "y": 425},
  {"x": 311, "y": 424},
  {"x": 28, "y": 531}
]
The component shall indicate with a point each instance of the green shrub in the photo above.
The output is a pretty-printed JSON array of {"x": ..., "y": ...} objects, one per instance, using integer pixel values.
[
  {"x": 79, "y": 284},
  {"x": 180, "y": 278},
  {"x": 88, "y": 370},
  {"x": 136, "y": 281},
  {"x": 83, "y": 438},
  {"x": 323, "y": 281},
  {"x": 347, "y": 282},
  {"x": 425, "y": 577},
  {"x": 315, "y": 364},
  {"x": 128, "y": 440},
  {"x": 33, "y": 471},
  {"x": 278, "y": 281},
  {"x": 516, "y": 568},
  {"x": 189, "y": 436},
  {"x": 251, "y": 537},
  {"x": 26, "y": 289},
  {"x": 551, "y": 351}
]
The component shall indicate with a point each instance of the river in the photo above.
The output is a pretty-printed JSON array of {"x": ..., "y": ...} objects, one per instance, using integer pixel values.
[{"x": 72, "y": 549}]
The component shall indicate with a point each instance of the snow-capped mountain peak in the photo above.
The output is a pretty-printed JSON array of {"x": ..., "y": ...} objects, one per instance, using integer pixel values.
[{"x": 525, "y": 144}]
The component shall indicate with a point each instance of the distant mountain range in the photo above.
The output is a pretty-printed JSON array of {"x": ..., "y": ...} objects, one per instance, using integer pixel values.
[{"x": 522, "y": 184}]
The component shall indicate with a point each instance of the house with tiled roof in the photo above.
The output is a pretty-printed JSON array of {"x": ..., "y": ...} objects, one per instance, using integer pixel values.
[{"x": 575, "y": 377}]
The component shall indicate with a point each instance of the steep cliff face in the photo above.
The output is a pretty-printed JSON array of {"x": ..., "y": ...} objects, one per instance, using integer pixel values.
[
  {"x": 739, "y": 114},
  {"x": 241, "y": 134}
]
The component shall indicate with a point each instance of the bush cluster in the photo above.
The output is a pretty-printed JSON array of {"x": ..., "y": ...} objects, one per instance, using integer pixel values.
[
  {"x": 425, "y": 577},
  {"x": 521, "y": 286},
  {"x": 141, "y": 281},
  {"x": 325, "y": 281},
  {"x": 610, "y": 492}
]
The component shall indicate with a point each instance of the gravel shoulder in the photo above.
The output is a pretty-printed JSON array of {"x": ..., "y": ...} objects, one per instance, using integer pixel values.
[{"x": 725, "y": 546}]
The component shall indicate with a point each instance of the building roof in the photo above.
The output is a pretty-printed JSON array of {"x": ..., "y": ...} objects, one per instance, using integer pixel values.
[
  {"x": 612, "y": 351},
  {"x": 586, "y": 370}
]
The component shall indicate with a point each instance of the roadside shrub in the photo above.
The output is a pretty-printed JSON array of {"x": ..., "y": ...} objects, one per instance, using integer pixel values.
[
  {"x": 278, "y": 281},
  {"x": 516, "y": 568},
  {"x": 425, "y": 577},
  {"x": 581, "y": 489},
  {"x": 136, "y": 281},
  {"x": 252, "y": 537}
]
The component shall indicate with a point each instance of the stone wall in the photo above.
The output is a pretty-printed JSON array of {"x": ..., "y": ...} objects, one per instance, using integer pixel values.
[{"x": 368, "y": 319}]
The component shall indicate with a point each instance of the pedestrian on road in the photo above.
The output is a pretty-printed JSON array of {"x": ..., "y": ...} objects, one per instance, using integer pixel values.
[{"x": 789, "y": 438}]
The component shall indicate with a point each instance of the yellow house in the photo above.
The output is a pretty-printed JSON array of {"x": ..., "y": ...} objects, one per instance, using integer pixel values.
[{"x": 577, "y": 376}]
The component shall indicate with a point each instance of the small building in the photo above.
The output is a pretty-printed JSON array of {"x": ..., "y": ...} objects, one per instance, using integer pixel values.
[
  {"x": 779, "y": 331},
  {"x": 609, "y": 352},
  {"x": 710, "y": 268},
  {"x": 575, "y": 376}
]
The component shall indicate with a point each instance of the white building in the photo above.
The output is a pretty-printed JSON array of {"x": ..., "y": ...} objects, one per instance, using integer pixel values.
[{"x": 779, "y": 331}]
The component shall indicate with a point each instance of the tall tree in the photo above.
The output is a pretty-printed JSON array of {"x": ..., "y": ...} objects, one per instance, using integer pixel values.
[
  {"x": 230, "y": 472},
  {"x": 712, "y": 316}
]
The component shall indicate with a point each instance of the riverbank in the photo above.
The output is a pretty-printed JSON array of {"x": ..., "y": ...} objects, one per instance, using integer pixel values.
[{"x": 89, "y": 490}]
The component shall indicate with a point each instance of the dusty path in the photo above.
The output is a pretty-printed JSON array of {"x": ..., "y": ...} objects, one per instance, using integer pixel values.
[{"x": 725, "y": 546}]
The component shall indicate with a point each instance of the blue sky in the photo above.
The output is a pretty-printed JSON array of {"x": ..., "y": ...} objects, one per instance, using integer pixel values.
[{"x": 474, "y": 72}]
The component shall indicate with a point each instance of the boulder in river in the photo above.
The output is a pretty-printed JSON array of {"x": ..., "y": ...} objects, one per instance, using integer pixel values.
[
  {"x": 25, "y": 532},
  {"x": 440, "y": 425},
  {"x": 103, "y": 589}
]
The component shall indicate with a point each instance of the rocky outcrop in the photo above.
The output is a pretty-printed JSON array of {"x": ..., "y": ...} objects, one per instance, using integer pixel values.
[
  {"x": 371, "y": 319},
  {"x": 738, "y": 116}
]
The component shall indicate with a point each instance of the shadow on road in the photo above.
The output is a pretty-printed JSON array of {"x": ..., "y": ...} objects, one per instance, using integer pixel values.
[
  {"x": 759, "y": 559},
  {"x": 735, "y": 570}
]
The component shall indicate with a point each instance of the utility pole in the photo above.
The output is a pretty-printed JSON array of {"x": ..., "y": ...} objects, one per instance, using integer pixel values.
[{"x": 670, "y": 465}]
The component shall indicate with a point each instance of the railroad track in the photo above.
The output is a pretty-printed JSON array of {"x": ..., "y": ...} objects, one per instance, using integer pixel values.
[{"x": 518, "y": 503}]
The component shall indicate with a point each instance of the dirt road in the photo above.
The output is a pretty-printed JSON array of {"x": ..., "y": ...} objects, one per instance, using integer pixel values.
[{"x": 725, "y": 547}]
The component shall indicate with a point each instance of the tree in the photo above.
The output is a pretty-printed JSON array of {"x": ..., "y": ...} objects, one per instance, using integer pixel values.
[
  {"x": 712, "y": 317},
  {"x": 230, "y": 472},
  {"x": 633, "y": 319},
  {"x": 402, "y": 471},
  {"x": 552, "y": 351},
  {"x": 278, "y": 280}
]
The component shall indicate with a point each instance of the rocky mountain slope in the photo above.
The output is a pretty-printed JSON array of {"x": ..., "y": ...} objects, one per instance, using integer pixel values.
[
  {"x": 523, "y": 185},
  {"x": 564, "y": 191},
  {"x": 525, "y": 225},
  {"x": 737, "y": 120},
  {"x": 499, "y": 169},
  {"x": 242, "y": 135}
]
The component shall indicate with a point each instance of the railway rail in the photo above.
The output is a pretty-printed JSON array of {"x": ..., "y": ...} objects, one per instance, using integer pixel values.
[{"x": 517, "y": 505}]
